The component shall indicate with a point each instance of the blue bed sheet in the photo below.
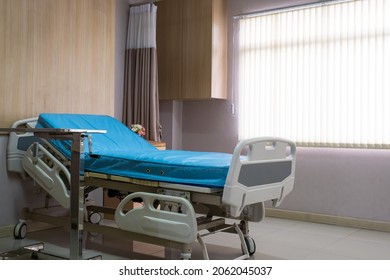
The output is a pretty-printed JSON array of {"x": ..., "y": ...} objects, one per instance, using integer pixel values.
[{"x": 122, "y": 152}]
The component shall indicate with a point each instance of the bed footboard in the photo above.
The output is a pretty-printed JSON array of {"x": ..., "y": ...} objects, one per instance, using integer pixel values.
[
  {"x": 148, "y": 220},
  {"x": 266, "y": 172}
]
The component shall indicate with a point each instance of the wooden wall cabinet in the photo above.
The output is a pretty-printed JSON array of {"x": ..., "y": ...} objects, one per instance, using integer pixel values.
[{"x": 192, "y": 49}]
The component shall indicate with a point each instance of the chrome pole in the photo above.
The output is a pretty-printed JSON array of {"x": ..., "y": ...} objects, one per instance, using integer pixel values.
[{"x": 76, "y": 198}]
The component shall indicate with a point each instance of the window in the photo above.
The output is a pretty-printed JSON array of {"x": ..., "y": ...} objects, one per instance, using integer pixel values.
[{"x": 318, "y": 75}]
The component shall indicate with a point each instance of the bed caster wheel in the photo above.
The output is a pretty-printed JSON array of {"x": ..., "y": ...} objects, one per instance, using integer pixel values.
[
  {"x": 34, "y": 256},
  {"x": 20, "y": 230},
  {"x": 250, "y": 245},
  {"x": 94, "y": 218},
  {"x": 185, "y": 256}
]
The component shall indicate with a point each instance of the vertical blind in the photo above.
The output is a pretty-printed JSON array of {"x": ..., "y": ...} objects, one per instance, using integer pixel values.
[{"x": 318, "y": 75}]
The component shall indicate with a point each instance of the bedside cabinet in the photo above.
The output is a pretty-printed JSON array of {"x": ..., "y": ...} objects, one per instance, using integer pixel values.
[{"x": 159, "y": 145}]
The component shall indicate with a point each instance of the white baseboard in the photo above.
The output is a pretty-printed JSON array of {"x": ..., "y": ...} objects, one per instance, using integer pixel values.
[{"x": 328, "y": 219}]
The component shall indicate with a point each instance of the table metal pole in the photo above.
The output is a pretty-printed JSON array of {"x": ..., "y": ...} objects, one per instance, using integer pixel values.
[{"x": 76, "y": 198}]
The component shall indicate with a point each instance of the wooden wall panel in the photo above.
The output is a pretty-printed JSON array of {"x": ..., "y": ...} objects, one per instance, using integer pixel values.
[{"x": 56, "y": 56}]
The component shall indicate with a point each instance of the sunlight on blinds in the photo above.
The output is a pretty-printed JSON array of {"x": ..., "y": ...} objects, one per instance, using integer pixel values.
[{"x": 318, "y": 75}]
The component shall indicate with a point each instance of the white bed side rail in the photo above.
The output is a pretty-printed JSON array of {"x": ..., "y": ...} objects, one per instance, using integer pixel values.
[
  {"x": 267, "y": 172},
  {"x": 49, "y": 173},
  {"x": 18, "y": 144},
  {"x": 150, "y": 221}
]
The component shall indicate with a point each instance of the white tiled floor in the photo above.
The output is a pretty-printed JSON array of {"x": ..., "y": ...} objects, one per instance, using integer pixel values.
[
  {"x": 296, "y": 240},
  {"x": 275, "y": 239}
]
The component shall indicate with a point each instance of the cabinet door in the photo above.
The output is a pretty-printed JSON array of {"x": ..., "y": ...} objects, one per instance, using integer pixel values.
[
  {"x": 169, "y": 48},
  {"x": 219, "y": 50},
  {"x": 192, "y": 49},
  {"x": 197, "y": 49}
]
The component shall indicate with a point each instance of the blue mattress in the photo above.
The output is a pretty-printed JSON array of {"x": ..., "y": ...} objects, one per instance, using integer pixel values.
[{"x": 122, "y": 152}]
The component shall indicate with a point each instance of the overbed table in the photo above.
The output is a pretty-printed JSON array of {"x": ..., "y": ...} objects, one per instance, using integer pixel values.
[{"x": 77, "y": 137}]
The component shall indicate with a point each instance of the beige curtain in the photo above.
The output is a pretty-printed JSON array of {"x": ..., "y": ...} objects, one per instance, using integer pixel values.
[{"x": 141, "y": 102}]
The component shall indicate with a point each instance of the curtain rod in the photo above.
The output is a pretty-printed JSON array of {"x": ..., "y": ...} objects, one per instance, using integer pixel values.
[{"x": 144, "y": 3}]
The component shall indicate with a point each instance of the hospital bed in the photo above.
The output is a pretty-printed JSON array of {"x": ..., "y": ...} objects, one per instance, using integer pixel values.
[{"x": 183, "y": 195}]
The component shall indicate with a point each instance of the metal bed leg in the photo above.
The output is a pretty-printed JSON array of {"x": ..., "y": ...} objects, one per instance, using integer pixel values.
[
  {"x": 243, "y": 243},
  {"x": 203, "y": 247}
]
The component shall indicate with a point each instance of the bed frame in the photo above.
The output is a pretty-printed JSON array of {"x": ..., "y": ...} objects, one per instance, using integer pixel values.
[{"x": 171, "y": 215}]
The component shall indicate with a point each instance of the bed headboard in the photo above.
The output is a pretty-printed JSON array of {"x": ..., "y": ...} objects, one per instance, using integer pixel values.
[{"x": 18, "y": 144}]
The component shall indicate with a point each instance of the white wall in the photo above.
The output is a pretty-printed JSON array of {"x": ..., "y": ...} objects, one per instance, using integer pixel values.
[
  {"x": 15, "y": 193},
  {"x": 341, "y": 182},
  {"x": 171, "y": 114}
]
